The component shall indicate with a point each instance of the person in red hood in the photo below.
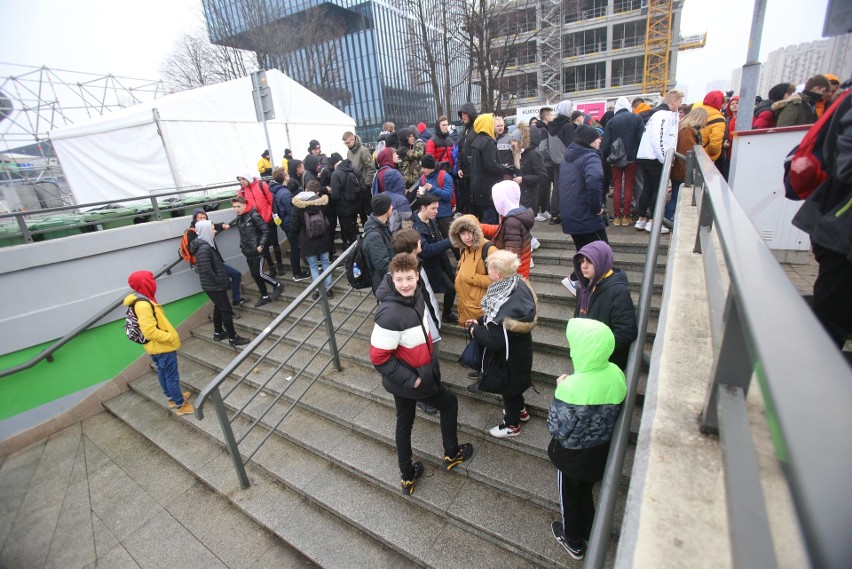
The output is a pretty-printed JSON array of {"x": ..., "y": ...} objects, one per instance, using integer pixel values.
[
  {"x": 163, "y": 340},
  {"x": 713, "y": 134},
  {"x": 259, "y": 198}
]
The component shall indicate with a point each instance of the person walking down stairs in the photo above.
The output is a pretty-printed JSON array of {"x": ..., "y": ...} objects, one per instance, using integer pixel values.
[{"x": 162, "y": 340}]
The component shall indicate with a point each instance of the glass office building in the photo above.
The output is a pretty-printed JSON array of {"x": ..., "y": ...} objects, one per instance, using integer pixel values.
[{"x": 365, "y": 62}]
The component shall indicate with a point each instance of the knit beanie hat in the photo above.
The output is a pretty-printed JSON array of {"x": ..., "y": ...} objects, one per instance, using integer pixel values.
[
  {"x": 334, "y": 159},
  {"x": 313, "y": 144},
  {"x": 516, "y": 135},
  {"x": 428, "y": 161},
  {"x": 778, "y": 91},
  {"x": 586, "y": 135},
  {"x": 381, "y": 204}
]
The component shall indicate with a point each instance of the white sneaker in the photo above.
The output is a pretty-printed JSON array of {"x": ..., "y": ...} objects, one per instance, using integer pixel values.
[
  {"x": 570, "y": 285},
  {"x": 665, "y": 230},
  {"x": 546, "y": 214},
  {"x": 535, "y": 243},
  {"x": 532, "y": 263},
  {"x": 540, "y": 217},
  {"x": 648, "y": 225},
  {"x": 640, "y": 225},
  {"x": 502, "y": 431}
]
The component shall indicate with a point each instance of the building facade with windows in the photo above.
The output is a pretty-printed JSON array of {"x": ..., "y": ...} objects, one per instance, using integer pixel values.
[
  {"x": 360, "y": 56},
  {"x": 583, "y": 49}
]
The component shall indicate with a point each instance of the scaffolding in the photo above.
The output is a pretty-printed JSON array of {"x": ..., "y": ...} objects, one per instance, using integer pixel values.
[
  {"x": 657, "y": 46},
  {"x": 550, "y": 47}
]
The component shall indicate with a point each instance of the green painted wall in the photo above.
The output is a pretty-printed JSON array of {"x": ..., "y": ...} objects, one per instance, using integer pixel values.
[{"x": 94, "y": 356}]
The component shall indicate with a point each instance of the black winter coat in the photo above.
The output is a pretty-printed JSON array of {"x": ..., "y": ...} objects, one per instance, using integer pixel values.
[
  {"x": 345, "y": 190},
  {"x": 310, "y": 246},
  {"x": 612, "y": 304},
  {"x": 210, "y": 266},
  {"x": 254, "y": 233},
  {"x": 533, "y": 169},
  {"x": 563, "y": 128},
  {"x": 433, "y": 254},
  {"x": 378, "y": 250},
  {"x": 513, "y": 325},
  {"x": 484, "y": 170},
  {"x": 466, "y": 138},
  {"x": 626, "y": 126}
]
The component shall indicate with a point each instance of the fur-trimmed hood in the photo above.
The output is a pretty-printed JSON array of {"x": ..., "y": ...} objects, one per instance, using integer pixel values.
[
  {"x": 520, "y": 312},
  {"x": 302, "y": 201},
  {"x": 466, "y": 223},
  {"x": 794, "y": 99}
]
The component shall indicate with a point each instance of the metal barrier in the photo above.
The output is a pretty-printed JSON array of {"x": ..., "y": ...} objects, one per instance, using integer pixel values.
[
  {"x": 161, "y": 201},
  {"x": 771, "y": 333},
  {"x": 602, "y": 527},
  {"x": 258, "y": 355}
]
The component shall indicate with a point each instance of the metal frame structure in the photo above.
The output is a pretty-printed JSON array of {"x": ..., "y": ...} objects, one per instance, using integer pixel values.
[
  {"x": 551, "y": 22},
  {"x": 658, "y": 43},
  {"x": 43, "y": 99}
]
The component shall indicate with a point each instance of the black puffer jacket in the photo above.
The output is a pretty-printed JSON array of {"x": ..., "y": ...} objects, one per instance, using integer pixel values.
[
  {"x": 254, "y": 233},
  {"x": 210, "y": 266},
  {"x": 345, "y": 190},
  {"x": 511, "y": 330},
  {"x": 533, "y": 170},
  {"x": 378, "y": 250},
  {"x": 563, "y": 128},
  {"x": 612, "y": 304},
  {"x": 433, "y": 254},
  {"x": 484, "y": 170}
]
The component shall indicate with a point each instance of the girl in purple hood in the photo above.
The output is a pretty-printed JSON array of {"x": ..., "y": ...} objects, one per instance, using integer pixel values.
[{"x": 603, "y": 294}]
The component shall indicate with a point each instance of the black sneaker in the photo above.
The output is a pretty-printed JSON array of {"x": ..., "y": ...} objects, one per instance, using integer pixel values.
[
  {"x": 241, "y": 302},
  {"x": 330, "y": 294},
  {"x": 473, "y": 387},
  {"x": 426, "y": 408},
  {"x": 555, "y": 220},
  {"x": 577, "y": 551},
  {"x": 261, "y": 301},
  {"x": 238, "y": 341},
  {"x": 280, "y": 269},
  {"x": 451, "y": 317},
  {"x": 474, "y": 374},
  {"x": 276, "y": 292},
  {"x": 408, "y": 483},
  {"x": 463, "y": 453},
  {"x": 301, "y": 277},
  {"x": 219, "y": 336}
]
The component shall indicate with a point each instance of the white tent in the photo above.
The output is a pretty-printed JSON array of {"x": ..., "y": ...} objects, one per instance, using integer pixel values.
[{"x": 196, "y": 137}]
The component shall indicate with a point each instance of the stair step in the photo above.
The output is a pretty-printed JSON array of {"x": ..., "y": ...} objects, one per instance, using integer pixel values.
[
  {"x": 297, "y": 455},
  {"x": 273, "y": 505}
]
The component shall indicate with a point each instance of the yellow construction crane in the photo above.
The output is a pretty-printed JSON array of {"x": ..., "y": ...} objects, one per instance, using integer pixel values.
[{"x": 658, "y": 43}]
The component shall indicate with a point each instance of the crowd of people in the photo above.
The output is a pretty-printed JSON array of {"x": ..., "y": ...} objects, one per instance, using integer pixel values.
[{"x": 453, "y": 214}]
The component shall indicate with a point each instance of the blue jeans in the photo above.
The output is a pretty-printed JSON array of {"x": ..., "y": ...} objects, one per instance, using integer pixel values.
[
  {"x": 236, "y": 277},
  {"x": 315, "y": 272},
  {"x": 167, "y": 374},
  {"x": 670, "y": 207}
]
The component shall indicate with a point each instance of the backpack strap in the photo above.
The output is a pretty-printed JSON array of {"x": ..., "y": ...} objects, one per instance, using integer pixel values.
[{"x": 153, "y": 310}]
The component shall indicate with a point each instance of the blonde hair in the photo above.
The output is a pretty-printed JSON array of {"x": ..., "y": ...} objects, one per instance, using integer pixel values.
[
  {"x": 696, "y": 118},
  {"x": 504, "y": 262},
  {"x": 673, "y": 95},
  {"x": 524, "y": 142}
]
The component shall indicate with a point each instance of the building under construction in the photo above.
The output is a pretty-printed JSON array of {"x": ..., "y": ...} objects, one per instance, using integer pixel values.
[{"x": 586, "y": 49}]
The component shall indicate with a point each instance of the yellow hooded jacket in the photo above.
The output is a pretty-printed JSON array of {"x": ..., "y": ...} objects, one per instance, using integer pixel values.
[
  {"x": 713, "y": 135},
  {"x": 162, "y": 336},
  {"x": 485, "y": 124}
]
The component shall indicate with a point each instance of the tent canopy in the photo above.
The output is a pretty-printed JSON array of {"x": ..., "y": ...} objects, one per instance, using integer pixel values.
[{"x": 205, "y": 136}]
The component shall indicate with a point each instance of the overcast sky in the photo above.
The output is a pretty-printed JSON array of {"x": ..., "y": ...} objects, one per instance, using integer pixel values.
[{"x": 131, "y": 38}]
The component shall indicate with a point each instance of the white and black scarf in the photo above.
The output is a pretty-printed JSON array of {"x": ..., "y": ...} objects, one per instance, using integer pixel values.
[{"x": 497, "y": 295}]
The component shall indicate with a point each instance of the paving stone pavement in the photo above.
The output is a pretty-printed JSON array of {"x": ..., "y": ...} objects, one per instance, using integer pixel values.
[{"x": 97, "y": 494}]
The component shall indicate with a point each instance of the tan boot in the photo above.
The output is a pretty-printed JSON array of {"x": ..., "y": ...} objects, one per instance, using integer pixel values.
[
  {"x": 186, "y": 395},
  {"x": 185, "y": 409}
]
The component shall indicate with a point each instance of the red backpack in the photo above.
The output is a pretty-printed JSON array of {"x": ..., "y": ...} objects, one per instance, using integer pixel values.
[
  {"x": 804, "y": 166},
  {"x": 442, "y": 175}
]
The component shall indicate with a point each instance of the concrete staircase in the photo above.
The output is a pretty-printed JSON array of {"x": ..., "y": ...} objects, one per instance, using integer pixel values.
[{"x": 326, "y": 479}]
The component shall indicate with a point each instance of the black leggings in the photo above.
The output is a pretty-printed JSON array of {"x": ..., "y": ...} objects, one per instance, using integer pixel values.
[{"x": 578, "y": 507}]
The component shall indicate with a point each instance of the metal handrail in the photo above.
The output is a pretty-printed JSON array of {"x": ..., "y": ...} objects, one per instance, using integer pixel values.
[
  {"x": 48, "y": 353},
  {"x": 212, "y": 390},
  {"x": 764, "y": 329},
  {"x": 602, "y": 527}
]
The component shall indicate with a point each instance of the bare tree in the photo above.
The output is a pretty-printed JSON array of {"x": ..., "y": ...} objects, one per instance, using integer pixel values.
[
  {"x": 196, "y": 62},
  {"x": 499, "y": 36},
  {"x": 435, "y": 51}
]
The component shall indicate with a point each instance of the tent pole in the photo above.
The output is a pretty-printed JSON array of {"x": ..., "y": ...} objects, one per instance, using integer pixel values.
[{"x": 165, "y": 148}]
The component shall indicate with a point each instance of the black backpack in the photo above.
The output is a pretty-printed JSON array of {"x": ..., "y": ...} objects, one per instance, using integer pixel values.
[
  {"x": 315, "y": 223},
  {"x": 357, "y": 272},
  {"x": 354, "y": 186}
]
